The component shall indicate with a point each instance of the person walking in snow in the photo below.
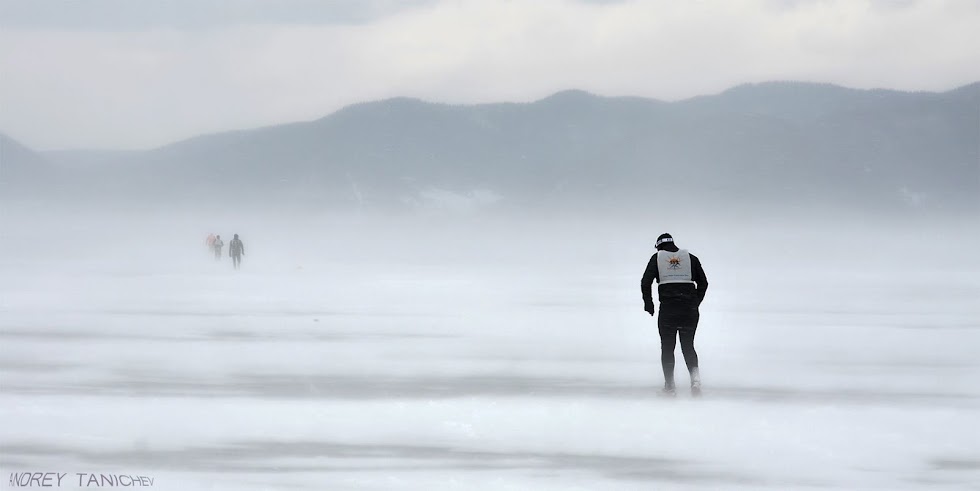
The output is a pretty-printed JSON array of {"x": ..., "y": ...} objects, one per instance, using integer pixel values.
[
  {"x": 681, "y": 288},
  {"x": 217, "y": 245},
  {"x": 236, "y": 249}
]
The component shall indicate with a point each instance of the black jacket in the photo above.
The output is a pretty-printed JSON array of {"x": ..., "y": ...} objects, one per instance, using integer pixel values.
[
  {"x": 236, "y": 248},
  {"x": 679, "y": 296}
]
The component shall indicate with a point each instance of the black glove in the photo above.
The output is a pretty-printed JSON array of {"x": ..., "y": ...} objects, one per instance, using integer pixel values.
[{"x": 649, "y": 308}]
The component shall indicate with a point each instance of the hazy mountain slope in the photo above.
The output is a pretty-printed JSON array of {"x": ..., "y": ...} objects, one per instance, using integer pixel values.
[
  {"x": 782, "y": 144},
  {"x": 23, "y": 172}
]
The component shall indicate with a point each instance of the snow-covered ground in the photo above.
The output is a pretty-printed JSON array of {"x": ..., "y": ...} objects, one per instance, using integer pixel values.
[{"x": 354, "y": 353}]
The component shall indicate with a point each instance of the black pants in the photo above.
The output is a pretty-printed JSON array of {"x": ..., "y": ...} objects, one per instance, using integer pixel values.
[
  {"x": 671, "y": 326},
  {"x": 236, "y": 259}
]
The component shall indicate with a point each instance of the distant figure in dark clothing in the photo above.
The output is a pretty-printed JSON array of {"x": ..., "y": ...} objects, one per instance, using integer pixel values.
[
  {"x": 682, "y": 285},
  {"x": 236, "y": 249},
  {"x": 217, "y": 245}
]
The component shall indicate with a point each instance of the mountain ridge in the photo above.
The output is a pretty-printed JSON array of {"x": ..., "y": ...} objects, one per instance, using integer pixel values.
[{"x": 787, "y": 142}]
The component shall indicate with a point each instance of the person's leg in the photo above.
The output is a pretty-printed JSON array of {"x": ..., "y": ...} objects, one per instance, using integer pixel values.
[
  {"x": 687, "y": 347},
  {"x": 687, "y": 334},
  {"x": 668, "y": 340}
]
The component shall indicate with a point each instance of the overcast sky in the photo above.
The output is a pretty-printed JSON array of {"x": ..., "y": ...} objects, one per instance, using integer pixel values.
[{"x": 137, "y": 74}]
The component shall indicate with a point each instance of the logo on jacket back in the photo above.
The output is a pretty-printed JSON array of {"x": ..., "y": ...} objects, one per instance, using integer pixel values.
[{"x": 674, "y": 267}]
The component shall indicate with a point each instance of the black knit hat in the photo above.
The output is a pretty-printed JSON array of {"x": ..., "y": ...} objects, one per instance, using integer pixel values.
[{"x": 664, "y": 241}]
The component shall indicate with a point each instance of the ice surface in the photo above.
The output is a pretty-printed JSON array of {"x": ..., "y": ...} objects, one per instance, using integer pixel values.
[{"x": 365, "y": 353}]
